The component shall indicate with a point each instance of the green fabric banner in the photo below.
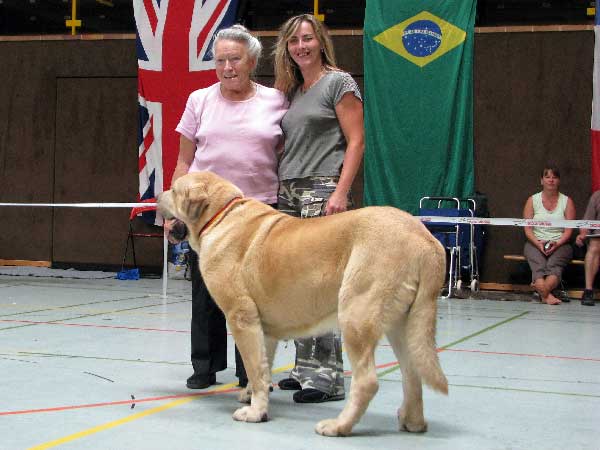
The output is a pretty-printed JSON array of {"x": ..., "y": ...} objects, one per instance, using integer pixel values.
[{"x": 418, "y": 59}]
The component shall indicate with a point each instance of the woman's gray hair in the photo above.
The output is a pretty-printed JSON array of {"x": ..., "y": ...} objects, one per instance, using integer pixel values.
[{"x": 240, "y": 33}]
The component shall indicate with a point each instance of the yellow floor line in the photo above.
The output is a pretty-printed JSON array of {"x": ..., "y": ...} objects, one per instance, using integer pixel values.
[{"x": 136, "y": 416}]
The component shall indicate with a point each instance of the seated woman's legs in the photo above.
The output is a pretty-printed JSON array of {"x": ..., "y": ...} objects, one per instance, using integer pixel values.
[
  {"x": 538, "y": 264},
  {"x": 592, "y": 262},
  {"x": 555, "y": 265},
  {"x": 547, "y": 271},
  {"x": 548, "y": 284}
]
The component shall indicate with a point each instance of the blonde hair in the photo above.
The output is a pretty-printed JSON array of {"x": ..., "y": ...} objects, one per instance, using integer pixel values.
[{"x": 287, "y": 73}]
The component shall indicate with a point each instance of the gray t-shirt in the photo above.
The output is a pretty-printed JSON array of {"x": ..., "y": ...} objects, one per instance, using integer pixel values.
[{"x": 314, "y": 142}]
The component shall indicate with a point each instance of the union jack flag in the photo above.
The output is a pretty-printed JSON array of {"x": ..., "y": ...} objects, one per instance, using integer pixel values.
[{"x": 174, "y": 41}]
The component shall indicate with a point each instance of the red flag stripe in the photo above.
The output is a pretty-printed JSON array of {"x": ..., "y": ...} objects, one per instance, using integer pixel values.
[
  {"x": 151, "y": 14},
  {"x": 595, "y": 160},
  {"x": 148, "y": 140},
  {"x": 203, "y": 35}
]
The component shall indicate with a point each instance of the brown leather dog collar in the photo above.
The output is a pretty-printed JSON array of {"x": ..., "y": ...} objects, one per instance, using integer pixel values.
[{"x": 219, "y": 212}]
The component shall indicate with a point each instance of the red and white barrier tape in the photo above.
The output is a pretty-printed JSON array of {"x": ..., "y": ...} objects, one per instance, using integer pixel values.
[
  {"x": 591, "y": 224},
  {"x": 81, "y": 205}
]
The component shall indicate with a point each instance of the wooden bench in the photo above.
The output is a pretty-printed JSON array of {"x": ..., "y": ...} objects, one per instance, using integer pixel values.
[
  {"x": 573, "y": 293},
  {"x": 577, "y": 262}
]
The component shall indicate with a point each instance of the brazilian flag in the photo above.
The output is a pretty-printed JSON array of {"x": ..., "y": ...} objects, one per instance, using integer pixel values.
[{"x": 418, "y": 59}]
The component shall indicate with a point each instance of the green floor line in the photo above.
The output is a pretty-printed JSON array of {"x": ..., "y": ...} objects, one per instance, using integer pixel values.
[
  {"x": 56, "y": 308},
  {"x": 485, "y": 330},
  {"x": 85, "y": 316},
  {"x": 499, "y": 388},
  {"x": 532, "y": 391},
  {"x": 451, "y": 344}
]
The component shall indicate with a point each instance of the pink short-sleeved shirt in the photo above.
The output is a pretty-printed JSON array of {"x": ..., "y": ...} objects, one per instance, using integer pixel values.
[{"x": 237, "y": 140}]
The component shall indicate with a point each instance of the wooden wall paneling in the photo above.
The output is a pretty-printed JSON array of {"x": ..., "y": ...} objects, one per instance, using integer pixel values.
[
  {"x": 26, "y": 150},
  {"x": 96, "y": 161}
]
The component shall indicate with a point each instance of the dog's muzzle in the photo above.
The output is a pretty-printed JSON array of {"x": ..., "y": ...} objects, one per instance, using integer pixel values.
[{"x": 179, "y": 231}]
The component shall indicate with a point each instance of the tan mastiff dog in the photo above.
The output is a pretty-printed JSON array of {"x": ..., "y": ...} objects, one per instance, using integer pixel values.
[{"x": 370, "y": 272}]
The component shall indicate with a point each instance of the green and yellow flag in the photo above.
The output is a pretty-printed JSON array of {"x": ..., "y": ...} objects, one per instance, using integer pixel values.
[{"x": 418, "y": 59}]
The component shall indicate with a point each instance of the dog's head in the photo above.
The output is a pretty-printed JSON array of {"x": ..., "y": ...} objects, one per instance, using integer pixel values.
[{"x": 195, "y": 198}]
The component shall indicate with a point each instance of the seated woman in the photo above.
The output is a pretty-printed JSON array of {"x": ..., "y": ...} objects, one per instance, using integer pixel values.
[{"x": 548, "y": 250}]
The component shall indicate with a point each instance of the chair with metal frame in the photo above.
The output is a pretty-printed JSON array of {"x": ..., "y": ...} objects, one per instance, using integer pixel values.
[{"x": 131, "y": 235}]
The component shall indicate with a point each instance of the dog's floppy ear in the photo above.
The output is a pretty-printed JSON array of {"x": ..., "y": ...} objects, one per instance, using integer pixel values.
[{"x": 195, "y": 200}]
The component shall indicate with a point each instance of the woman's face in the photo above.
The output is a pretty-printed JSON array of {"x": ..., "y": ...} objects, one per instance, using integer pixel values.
[
  {"x": 233, "y": 66},
  {"x": 304, "y": 47},
  {"x": 550, "y": 180}
]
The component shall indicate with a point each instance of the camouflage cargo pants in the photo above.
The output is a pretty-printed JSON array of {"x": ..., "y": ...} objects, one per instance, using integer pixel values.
[{"x": 318, "y": 362}]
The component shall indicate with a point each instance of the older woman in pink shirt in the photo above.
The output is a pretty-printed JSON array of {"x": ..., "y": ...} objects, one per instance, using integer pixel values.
[{"x": 231, "y": 128}]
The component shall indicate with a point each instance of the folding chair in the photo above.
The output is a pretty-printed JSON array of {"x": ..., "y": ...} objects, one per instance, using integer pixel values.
[{"x": 133, "y": 234}]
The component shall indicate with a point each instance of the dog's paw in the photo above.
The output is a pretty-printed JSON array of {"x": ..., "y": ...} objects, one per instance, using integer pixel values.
[
  {"x": 245, "y": 395},
  {"x": 250, "y": 414},
  {"x": 331, "y": 427},
  {"x": 411, "y": 425}
]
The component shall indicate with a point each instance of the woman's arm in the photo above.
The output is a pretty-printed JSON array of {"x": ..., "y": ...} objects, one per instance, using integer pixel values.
[
  {"x": 528, "y": 214},
  {"x": 187, "y": 150},
  {"x": 565, "y": 237},
  {"x": 349, "y": 111}
]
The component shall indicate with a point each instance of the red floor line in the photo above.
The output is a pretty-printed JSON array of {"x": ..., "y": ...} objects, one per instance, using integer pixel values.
[
  {"x": 144, "y": 400},
  {"x": 121, "y": 402},
  {"x": 34, "y": 322}
]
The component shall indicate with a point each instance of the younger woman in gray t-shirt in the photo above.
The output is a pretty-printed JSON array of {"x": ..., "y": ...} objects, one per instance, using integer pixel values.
[{"x": 324, "y": 142}]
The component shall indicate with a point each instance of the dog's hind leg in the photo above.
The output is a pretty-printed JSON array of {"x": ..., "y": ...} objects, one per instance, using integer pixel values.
[
  {"x": 410, "y": 414},
  {"x": 360, "y": 342},
  {"x": 249, "y": 337}
]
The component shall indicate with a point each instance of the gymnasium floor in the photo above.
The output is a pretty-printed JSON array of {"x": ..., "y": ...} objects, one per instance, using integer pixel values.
[{"x": 102, "y": 363}]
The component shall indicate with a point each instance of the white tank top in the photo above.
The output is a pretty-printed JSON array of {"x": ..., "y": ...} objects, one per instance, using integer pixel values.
[{"x": 541, "y": 213}]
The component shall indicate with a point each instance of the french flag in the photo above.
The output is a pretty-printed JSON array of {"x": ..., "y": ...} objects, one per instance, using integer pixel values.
[{"x": 596, "y": 108}]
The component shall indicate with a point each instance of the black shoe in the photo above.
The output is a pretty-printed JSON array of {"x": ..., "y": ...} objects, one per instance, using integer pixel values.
[
  {"x": 587, "y": 298},
  {"x": 289, "y": 384},
  {"x": 201, "y": 381},
  {"x": 310, "y": 395},
  {"x": 562, "y": 295}
]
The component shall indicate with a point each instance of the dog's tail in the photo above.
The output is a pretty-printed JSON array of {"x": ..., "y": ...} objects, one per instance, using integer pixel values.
[{"x": 420, "y": 325}]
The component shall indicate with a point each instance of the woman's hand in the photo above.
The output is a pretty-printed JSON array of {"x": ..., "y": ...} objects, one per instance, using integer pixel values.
[
  {"x": 337, "y": 203},
  {"x": 549, "y": 247},
  {"x": 580, "y": 239}
]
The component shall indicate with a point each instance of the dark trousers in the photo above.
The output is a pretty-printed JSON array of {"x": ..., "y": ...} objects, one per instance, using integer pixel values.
[{"x": 209, "y": 331}]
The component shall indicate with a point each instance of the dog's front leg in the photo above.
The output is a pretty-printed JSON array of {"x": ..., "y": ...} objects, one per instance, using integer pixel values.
[
  {"x": 270, "y": 347},
  {"x": 249, "y": 337}
]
